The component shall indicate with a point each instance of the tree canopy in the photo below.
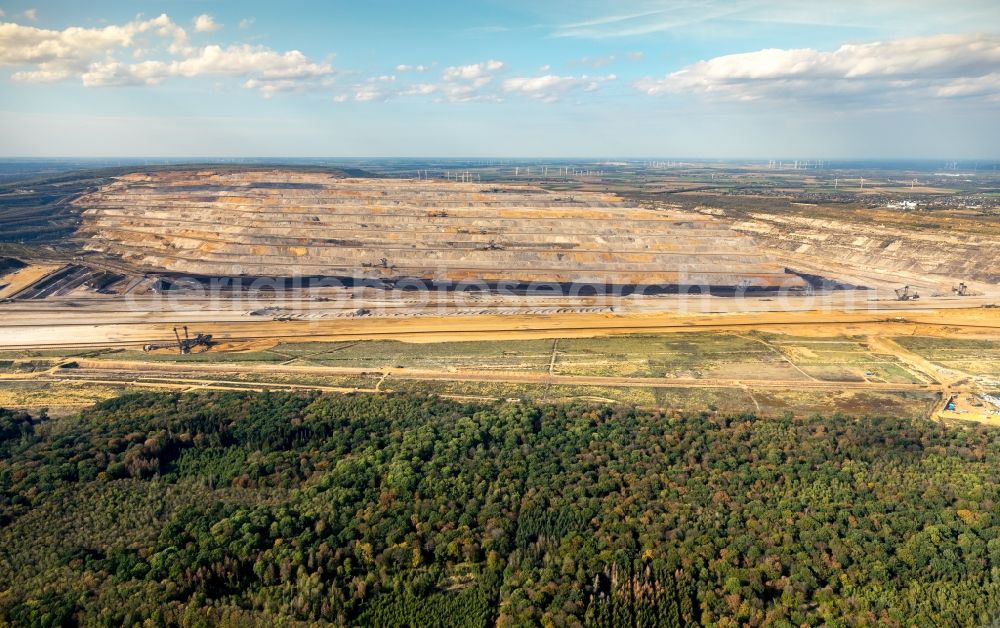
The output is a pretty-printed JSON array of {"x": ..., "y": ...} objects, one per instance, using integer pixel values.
[{"x": 410, "y": 510}]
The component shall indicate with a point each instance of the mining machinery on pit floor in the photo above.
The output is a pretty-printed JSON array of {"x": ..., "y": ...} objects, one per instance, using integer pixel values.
[{"x": 184, "y": 345}]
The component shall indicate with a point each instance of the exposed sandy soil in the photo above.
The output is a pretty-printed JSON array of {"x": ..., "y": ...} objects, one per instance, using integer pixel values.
[
  {"x": 21, "y": 279},
  {"x": 969, "y": 408},
  {"x": 58, "y": 398},
  {"x": 976, "y": 323}
]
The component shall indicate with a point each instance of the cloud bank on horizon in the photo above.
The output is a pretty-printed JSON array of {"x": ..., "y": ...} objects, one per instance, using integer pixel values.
[
  {"x": 937, "y": 66},
  {"x": 657, "y": 56}
]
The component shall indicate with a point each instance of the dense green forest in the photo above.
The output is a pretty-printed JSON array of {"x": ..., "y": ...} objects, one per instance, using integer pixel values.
[{"x": 281, "y": 509}]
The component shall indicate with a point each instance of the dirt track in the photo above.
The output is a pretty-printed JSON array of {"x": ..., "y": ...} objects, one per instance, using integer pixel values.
[
  {"x": 106, "y": 371},
  {"x": 968, "y": 323}
]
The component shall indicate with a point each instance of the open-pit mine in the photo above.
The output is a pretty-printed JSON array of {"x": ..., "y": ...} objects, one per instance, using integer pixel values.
[
  {"x": 142, "y": 277},
  {"x": 280, "y": 224}
]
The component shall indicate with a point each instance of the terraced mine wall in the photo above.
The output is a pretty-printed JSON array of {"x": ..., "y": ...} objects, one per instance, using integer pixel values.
[
  {"x": 34, "y": 213},
  {"x": 870, "y": 253},
  {"x": 40, "y": 209},
  {"x": 8, "y": 264},
  {"x": 290, "y": 224}
]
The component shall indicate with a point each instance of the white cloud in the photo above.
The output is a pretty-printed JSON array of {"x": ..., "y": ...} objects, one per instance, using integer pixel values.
[
  {"x": 472, "y": 71},
  {"x": 268, "y": 87},
  {"x": 937, "y": 66},
  {"x": 549, "y": 87},
  {"x": 600, "y": 62},
  {"x": 205, "y": 23},
  {"x": 650, "y": 17},
  {"x": 115, "y": 74},
  {"x": 47, "y": 75},
  {"x": 420, "y": 89},
  {"x": 243, "y": 59},
  {"x": 30, "y": 14},
  {"x": 474, "y": 82},
  {"x": 458, "y": 84},
  {"x": 269, "y": 71},
  {"x": 90, "y": 55},
  {"x": 247, "y": 22},
  {"x": 373, "y": 89},
  {"x": 744, "y": 18},
  {"x": 405, "y": 67},
  {"x": 446, "y": 91},
  {"x": 466, "y": 92},
  {"x": 75, "y": 48},
  {"x": 597, "y": 62},
  {"x": 987, "y": 85},
  {"x": 2, "y": 13},
  {"x": 369, "y": 93}
]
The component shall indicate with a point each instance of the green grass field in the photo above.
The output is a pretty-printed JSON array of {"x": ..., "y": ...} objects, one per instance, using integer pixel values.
[
  {"x": 977, "y": 357},
  {"x": 709, "y": 356},
  {"x": 698, "y": 355}
]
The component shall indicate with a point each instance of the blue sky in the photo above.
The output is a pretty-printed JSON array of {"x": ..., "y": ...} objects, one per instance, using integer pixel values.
[{"x": 679, "y": 78}]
